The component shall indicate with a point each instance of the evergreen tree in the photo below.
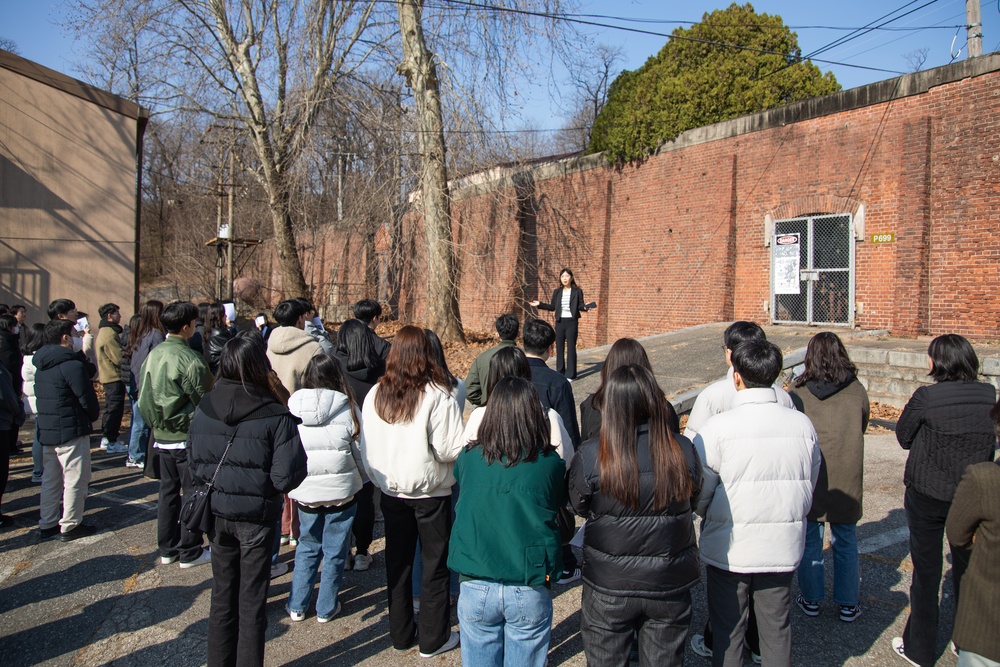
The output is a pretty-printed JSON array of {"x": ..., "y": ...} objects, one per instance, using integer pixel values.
[{"x": 735, "y": 62}]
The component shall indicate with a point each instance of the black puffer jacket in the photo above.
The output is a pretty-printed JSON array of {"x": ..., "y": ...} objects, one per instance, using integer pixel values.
[
  {"x": 947, "y": 427},
  {"x": 11, "y": 358},
  {"x": 65, "y": 397},
  {"x": 265, "y": 460},
  {"x": 213, "y": 344},
  {"x": 643, "y": 552}
]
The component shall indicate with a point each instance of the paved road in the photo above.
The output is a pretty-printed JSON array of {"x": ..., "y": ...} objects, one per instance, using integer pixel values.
[{"x": 105, "y": 600}]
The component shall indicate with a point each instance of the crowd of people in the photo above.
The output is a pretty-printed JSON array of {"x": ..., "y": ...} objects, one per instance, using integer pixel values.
[{"x": 287, "y": 431}]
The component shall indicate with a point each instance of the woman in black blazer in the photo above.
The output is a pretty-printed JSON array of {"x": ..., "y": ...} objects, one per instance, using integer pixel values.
[{"x": 567, "y": 302}]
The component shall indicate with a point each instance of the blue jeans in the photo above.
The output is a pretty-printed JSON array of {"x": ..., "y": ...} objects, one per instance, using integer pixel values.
[
  {"x": 323, "y": 534},
  {"x": 846, "y": 575},
  {"x": 504, "y": 625},
  {"x": 139, "y": 436}
]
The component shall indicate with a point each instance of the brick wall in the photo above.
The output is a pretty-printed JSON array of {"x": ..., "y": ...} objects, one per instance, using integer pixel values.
[{"x": 680, "y": 239}]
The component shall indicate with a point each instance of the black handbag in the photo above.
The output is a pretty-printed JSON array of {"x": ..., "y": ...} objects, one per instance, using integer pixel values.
[{"x": 196, "y": 514}]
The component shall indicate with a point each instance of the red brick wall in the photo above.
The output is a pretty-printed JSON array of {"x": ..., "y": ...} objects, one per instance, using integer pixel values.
[{"x": 679, "y": 240}]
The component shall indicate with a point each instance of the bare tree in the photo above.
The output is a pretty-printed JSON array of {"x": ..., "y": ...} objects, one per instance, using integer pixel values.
[
  {"x": 915, "y": 59},
  {"x": 9, "y": 45},
  {"x": 263, "y": 66},
  {"x": 590, "y": 75}
]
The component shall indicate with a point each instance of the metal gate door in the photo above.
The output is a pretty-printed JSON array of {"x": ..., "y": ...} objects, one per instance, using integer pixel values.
[{"x": 812, "y": 270}]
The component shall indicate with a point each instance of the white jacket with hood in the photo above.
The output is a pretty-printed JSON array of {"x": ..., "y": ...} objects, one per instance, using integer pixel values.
[
  {"x": 332, "y": 455},
  {"x": 761, "y": 464},
  {"x": 413, "y": 459}
]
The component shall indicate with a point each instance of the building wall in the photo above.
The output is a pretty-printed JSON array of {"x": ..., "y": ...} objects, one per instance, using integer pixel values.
[
  {"x": 67, "y": 199},
  {"x": 680, "y": 239}
]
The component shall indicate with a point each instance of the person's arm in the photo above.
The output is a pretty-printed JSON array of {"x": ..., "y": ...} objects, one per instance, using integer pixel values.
[
  {"x": 563, "y": 404},
  {"x": 912, "y": 417},
  {"x": 197, "y": 381},
  {"x": 583, "y": 302},
  {"x": 82, "y": 387},
  {"x": 580, "y": 493},
  {"x": 473, "y": 388},
  {"x": 700, "y": 412},
  {"x": 866, "y": 408},
  {"x": 707, "y": 452},
  {"x": 542, "y": 305},
  {"x": 966, "y": 510},
  {"x": 288, "y": 463},
  {"x": 11, "y": 402},
  {"x": 445, "y": 429},
  {"x": 113, "y": 350}
]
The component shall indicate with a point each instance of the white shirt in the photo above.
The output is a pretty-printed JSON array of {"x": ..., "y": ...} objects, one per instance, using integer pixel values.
[{"x": 566, "y": 312}]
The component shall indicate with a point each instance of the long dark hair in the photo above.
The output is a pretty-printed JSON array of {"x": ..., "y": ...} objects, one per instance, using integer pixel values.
[
  {"x": 34, "y": 338},
  {"x": 827, "y": 361},
  {"x": 149, "y": 321},
  {"x": 507, "y": 362},
  {"x": 515, "y": 428},
  {"x": 953, "y": 358},
  {"x": 625, "y": 351},
  {"x": 323, "y": 372},
  {"x": 437, "y": 354},
  {"x": 632, "y": 398},
  {"x": 355, "y": 342},
  {"x": 408, "y": 370},
  {"x": 244, "y": 360},
  {"x": 215, "y": 317}
]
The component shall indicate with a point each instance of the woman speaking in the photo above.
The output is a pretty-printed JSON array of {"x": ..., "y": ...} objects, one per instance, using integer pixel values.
[{"x": 567, "y": 302}]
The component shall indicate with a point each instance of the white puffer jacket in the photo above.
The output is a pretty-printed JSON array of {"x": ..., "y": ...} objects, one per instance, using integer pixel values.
[
  {"x": 414, "y": 459},
  {"x": 761, "y": 464},
  {"x": 332, "y": 454},
  {"x": 28, "y": 375}
]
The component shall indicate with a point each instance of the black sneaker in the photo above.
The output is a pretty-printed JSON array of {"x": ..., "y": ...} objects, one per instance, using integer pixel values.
[
  {"x": 81, "y": 530},
  {"x": 46, "y": 533},
  {"x": 850, "y": 614},
  {"x": 808, "y": 608},
  {"x": 569, "y": 576}
]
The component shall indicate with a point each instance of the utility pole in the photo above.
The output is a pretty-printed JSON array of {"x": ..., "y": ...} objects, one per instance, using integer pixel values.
[{"x": 974, "y": 28}]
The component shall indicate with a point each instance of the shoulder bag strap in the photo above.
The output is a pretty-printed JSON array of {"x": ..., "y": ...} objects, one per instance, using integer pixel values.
[{"x": 219, "y": 467}]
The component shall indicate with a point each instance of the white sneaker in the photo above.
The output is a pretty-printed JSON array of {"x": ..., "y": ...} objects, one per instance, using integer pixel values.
[
  {"x": 362, "y": 562},
  {"x": 278, "y": 569},
  {"x": 447, "y": 646},
  {"x": 569, "y": 576},
  {"x": 296, "y": 616},
  {"x": 205, "y": 557},
  {"x": 104, "y": 444},
  {"x": 336, "y": 611},
  {"x": 897, "y": 646},
  {"x": 699, "y": 647},
  {"x": 167, "y": 560}
]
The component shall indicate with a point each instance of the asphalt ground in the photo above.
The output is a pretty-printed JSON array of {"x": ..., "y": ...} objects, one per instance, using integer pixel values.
[{"x": 106, "y": 600}]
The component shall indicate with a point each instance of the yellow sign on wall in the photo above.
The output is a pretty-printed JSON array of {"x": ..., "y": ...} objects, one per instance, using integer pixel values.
[{"x": 886, "y": 237}]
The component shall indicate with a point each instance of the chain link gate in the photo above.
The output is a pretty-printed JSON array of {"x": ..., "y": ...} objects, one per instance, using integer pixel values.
[{"x": 812, "y": 270}]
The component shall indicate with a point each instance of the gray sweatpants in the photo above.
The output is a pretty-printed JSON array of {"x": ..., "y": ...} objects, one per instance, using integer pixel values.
[{"x": 728, "y": 598}]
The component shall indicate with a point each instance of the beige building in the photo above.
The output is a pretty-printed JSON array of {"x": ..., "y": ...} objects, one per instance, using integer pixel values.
[{"x": 70, "y": 175}]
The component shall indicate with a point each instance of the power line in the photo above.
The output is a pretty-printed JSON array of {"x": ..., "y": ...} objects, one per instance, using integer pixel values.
[{"x": 737, "y": 47}]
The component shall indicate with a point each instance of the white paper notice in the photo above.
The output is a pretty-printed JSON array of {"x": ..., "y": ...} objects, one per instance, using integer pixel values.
[
  {"x": 230, "y": 311},
  {"x": 786, "y": 264}
]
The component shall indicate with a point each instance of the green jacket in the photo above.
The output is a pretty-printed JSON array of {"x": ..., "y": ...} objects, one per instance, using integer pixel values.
[
  {"x": 174, "y": 378},
  {"x": 109, "y": 352},
  {"x": 479, "y": 372},
  {"x": 505, "y": 526}
]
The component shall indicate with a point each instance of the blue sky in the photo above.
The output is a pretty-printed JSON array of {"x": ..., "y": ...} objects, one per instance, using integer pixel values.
[{"x": 33, "y": 25}]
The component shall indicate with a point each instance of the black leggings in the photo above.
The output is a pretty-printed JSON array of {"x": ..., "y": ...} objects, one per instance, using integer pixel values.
[{"x": 364, "y": 521}]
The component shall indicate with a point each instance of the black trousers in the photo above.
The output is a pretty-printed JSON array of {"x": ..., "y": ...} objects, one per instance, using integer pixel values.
[
  {"x": 114, "y": 409},
  {"x": 7, "y": 440},
  {"x": 752, "y": 637},
  {"x": 241, "y": 575},
  {"x": 566, "y": 334},
  {"x": 405, "y": 520},
  {"x": 173, "y": 538},
  {"x": 363, "y": 527},
  {"x": 926, "y": 518}
]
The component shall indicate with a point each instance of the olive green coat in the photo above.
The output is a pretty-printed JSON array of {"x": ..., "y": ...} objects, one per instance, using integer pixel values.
[{"x": 840, "y": 421}]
